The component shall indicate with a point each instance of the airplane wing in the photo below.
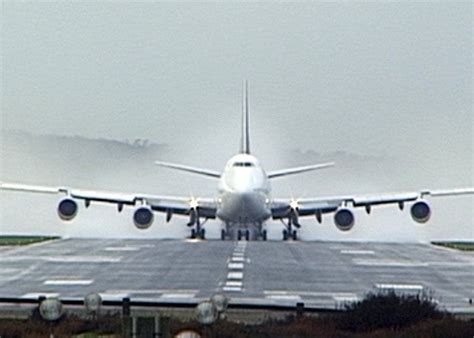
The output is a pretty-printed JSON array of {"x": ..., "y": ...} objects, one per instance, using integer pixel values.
[
  {"x": 344, "y": 219},
  {"x": 297, "y": 170},
  {"x": 168, "y": 204},
  {"x": 390, "y": 198},
  {"x": 194, "y": 170}
]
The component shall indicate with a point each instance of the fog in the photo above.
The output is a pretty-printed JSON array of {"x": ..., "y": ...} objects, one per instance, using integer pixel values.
[{"x": 383, "y": 89}]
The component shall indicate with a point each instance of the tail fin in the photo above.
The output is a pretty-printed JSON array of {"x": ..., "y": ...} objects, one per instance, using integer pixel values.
[{"x": 245, "y": 141}]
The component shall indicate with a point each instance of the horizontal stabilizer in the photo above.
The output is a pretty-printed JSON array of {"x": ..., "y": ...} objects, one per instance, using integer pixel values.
[
  {"x": 298, "y": 170},
  {"x": 194, "y": 170}
]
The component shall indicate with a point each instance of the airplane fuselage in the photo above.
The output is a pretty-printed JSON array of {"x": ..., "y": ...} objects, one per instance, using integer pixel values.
[{"x": 244, "y": 192}]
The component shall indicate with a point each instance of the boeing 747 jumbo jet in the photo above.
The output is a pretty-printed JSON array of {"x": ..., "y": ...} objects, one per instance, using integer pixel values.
[{"x": 244, "y": 201}]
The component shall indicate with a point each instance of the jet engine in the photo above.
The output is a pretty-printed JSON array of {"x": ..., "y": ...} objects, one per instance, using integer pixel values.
[
  {"x": 67, "y": 209},
  {"x": 420, "y": 211},
  {"x": 143, "y": 217},
  {"x": 344, "y": 219}
]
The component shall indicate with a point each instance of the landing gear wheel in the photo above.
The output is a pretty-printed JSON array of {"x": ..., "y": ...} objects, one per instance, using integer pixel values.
[
  {"x": 247, "y": 235},
  {"x": 223, "y": 234},
  {"x": 295, "y": 237},
  {"x": 193, "y": 233},
  {"x": 264, "y": 235},
  {"x": 285, "y": 235},
  {"x": 202, "y": 234},
  {"x": 239, "y": 235}
]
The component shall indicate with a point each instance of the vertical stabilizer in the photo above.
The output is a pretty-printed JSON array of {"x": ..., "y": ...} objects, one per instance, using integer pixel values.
[{"x": 245, "y": 142}]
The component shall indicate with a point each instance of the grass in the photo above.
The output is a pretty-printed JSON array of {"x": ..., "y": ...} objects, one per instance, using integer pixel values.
[
  {"x": 464, "y": 246},
  {"x": 23, "y": 240}
]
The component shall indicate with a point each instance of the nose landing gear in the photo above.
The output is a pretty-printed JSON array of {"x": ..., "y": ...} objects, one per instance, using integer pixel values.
[{"x": 243, "y": 233}]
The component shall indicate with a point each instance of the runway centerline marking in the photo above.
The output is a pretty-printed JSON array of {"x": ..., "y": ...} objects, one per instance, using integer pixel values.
[
  {"x": 235, "y": 266},
  {"x": 235, "y": 275},
  {"x": 232, "y": 288}
]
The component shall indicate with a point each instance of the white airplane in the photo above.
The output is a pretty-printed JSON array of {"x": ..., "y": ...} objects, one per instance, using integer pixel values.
[{"x": 244, "y": 201}]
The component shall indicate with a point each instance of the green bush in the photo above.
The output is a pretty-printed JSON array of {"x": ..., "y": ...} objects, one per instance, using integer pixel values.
[{"x": 388, "y": 311}]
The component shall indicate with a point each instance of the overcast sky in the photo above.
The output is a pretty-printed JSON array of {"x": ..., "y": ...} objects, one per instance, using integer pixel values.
[
  {"x": 364, "y": 77},
  {"x": 389, "y": 79}
]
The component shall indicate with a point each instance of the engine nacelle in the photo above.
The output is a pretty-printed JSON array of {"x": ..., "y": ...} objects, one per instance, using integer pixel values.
[
  {"x": 420, "y": 211},
  {"x": 344, "y": 219},
  {"x": 143, "y": 217},
  {"x": 67, "y": 209}
]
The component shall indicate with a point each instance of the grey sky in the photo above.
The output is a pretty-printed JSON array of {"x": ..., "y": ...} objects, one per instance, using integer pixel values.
[
  {"x": 389, "y": 79},
  {"x": 366, "y": 77}
]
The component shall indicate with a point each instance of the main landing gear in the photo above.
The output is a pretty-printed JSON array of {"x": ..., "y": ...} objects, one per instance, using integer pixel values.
[
  {"x": 197, "y": 231},
  {"x": 289, "y": 232}
]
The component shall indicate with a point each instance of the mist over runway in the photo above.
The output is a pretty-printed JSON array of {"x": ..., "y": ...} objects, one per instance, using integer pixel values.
[{"x": 128, "y": 166}]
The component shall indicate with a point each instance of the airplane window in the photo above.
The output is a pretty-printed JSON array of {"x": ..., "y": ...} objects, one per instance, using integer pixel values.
[{"x": 243, "y": 164}]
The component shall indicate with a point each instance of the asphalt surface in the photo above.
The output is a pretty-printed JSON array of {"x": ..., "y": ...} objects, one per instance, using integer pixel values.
[{"x": 320, "y": 274}]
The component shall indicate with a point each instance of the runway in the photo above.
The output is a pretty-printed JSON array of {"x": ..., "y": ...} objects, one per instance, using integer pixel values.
[{"x": 320, "y": 274}]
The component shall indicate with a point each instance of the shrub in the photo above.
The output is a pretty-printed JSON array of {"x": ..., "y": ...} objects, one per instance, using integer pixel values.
[{"x": 388, "y": 310}]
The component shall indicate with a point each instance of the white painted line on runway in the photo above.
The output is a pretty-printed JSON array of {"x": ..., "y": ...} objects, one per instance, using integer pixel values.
[
  {"x": 235, "y": 266},
  {"x": 399, "y": 286},
  {"x": 39, "y": 294},
  {"x": 178, "y": 295},
  {"x": 235, "y": 275},
  {"x": 233, "y": 283},
  {"x": 237, "y": 259},
  {"x": 357, "y": 252},
  {"x": 113, "y": 296},
  {"x": 64, "y": 259},
  {"x": 346, "y": 299},
  {"x": 284, "y": 297},
  {"x": 122, "y": 248},
  {"x": 389, "y": 263},
  {"x": 69, "y": 282},
  {"x": 232, "y": 288},
  {"x": 310, "y": 294},
  {"x": 238, "y": 254},
  {"x": 464, "y": 264},
  {"x": 275, "y": 292},
  {"x": 152, "y": 291}
]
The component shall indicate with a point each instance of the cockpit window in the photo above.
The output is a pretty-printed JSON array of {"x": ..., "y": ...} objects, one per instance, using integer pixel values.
[{"x": 243, "y": 164}]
